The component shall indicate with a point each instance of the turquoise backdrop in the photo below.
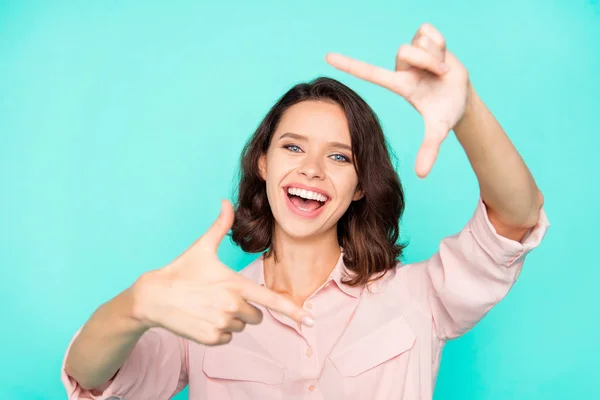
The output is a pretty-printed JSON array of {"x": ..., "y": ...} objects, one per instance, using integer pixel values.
[{"x": 121, "y": 124}]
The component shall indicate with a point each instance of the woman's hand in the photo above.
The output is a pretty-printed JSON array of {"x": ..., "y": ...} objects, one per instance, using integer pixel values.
[
  {"x": 199, "y": 298},
  {"x": 430, "y": 78}
]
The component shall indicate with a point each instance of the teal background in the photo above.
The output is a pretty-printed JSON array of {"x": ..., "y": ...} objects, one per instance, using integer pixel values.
[{"x": 121, "y": 124}]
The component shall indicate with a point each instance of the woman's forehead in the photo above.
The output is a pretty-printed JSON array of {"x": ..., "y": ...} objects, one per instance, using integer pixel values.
[{"x": 315, "y": 120}]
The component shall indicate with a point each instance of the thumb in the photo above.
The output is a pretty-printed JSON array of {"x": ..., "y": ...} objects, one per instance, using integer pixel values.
[
  {"x": 217, "y": 231},
  {"x": 434, "y": 136}
]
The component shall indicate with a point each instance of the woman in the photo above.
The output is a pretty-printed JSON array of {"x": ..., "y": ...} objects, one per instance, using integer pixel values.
[{"x": 326, "y": 311}]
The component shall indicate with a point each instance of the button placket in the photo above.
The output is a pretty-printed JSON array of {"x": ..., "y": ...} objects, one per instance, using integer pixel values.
[
  {"x": 309, "y": 361},
  {"x": 313, "y": 391}
]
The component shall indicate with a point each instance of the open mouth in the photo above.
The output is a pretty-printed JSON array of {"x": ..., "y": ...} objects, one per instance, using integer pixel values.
[{"x": 306, "y": 201}]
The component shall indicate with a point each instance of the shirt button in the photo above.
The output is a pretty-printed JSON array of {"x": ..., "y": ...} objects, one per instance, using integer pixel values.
[
  {"x": 308, "y": 352},
  {"x": 311, "y": 388}
]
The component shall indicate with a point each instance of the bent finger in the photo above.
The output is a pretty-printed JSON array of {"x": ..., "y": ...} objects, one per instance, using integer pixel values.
[
  {"x": 248, "y": 313},
  {"x": 432, "y": 33},
  {"x": 236, "y": 325},
  {"x": 224, "y": 338},
  {"x": 425, "y": 43},
  {"x": 419, "y": 58}
]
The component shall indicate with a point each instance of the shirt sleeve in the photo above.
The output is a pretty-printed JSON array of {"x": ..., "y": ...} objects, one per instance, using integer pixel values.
[
  {"x": 473, "y": 270},
  {"x": 155, "y": 369}
]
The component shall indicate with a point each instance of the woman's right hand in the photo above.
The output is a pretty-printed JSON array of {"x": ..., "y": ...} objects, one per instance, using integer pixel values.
[{"x": 197, "y": 297}]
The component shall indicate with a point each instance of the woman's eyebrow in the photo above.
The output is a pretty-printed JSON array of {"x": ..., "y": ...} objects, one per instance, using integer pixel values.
[{"x": 297, "y": 136}]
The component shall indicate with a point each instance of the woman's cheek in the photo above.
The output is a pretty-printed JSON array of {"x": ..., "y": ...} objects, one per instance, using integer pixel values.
[{"x": 345, "y": 184}]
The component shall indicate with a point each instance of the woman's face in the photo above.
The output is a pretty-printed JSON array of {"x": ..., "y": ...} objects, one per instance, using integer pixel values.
[{"x": 309, "y": 169}]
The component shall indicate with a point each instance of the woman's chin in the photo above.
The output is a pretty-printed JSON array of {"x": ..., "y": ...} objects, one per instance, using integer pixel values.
[
  {"x": 303, "y": 230},
  {"x": 300, "y": 227}
]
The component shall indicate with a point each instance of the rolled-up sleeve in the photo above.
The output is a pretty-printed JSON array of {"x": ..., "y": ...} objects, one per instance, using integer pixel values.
[
  {"x": 155, "y": 369},
  {"x": 473, "y": 270}
]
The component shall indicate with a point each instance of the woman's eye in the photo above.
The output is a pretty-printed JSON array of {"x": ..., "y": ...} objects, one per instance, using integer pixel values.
[
  {"x": 340, "y": 157},
  {"x": 336, "y": 157},
  {"x": 292, "y": 147}
]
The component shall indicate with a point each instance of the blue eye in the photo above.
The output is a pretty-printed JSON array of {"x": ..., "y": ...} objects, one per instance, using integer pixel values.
[
  {"x": 340, "y": 157},
  {"x": 336, "y": 157},
  {"x": 292, "y": 148}
]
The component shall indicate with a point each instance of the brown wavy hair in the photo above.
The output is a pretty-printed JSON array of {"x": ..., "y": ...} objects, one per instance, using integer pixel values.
[{"x": 369, "y": 229}]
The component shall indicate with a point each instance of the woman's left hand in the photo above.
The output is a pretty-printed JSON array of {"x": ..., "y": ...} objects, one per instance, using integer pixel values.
[{"x": 431, "y": 78}]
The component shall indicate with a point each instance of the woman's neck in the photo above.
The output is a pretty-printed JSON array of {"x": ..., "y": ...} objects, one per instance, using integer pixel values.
[{"x": 302, "y": 266}]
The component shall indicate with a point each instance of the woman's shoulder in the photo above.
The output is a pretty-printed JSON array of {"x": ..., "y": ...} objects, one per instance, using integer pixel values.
[
  {"x": 402, "y": 274},
  {"x": 254, "y": 270},
  {"x": 406, "y": 282},
  {"x": 402, "y": 291}
]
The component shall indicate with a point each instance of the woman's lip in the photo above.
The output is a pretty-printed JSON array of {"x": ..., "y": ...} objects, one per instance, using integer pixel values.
[{"x": 299, "y": 212}]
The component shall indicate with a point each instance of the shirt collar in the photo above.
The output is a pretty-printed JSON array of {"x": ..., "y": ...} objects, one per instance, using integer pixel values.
[{"x": 339, "y": 272}]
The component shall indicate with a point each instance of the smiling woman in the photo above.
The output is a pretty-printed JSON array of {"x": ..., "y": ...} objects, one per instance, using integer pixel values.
[
  {"x": 321, "y": 141},
  {"x": 327, "y": 309}
]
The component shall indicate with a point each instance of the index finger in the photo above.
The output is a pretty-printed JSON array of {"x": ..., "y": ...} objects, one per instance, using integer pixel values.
[
  {"x": 253, "y": 292},
  {"x": 360, "y": 69}
]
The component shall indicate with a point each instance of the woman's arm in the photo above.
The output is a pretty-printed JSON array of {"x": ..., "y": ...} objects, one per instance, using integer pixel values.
[
  {"x": 117, "y": 354},
  {"x": 141, "y": 332},
  {"x": 473, "y": 270},
  {"x": 508, "y": 189},
  {"x": 104, "y": 342},
  {"x": 437, "y": 84}
]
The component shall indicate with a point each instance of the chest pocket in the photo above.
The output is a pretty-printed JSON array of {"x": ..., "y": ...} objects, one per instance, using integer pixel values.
[
  {"x": 239, "y": 364},
  {"x": 389, "y": 341}
]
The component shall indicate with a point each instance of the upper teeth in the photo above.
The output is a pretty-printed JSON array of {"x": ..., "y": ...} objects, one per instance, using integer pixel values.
[{"x": 307, "y": 194}]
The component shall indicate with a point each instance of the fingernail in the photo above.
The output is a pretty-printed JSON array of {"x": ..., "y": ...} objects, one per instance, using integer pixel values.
[{"x": 308, "y": 321}]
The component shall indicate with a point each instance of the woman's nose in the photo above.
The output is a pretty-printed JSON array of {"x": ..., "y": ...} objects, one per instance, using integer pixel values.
[{"x": 312, "y": 168}]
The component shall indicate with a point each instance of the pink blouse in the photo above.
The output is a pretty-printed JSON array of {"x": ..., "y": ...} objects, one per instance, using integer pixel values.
[{"x": 383, "y": 342}]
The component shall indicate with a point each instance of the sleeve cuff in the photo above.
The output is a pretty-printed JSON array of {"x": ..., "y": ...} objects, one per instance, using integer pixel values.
[
  {"x": 152, "y": 368},
  {"x": 502, "y": 250},
  {"x": 76, "y": 392}
]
